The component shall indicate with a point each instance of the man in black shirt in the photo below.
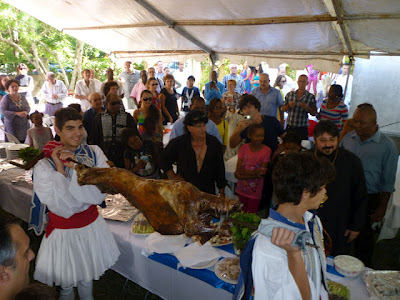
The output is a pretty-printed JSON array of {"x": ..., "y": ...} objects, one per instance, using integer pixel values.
[{"x": 343, "y": 214}]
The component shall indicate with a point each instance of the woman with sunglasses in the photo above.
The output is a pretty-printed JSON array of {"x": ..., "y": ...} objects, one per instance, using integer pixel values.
[
  {"x": 279, "y": 83},
  {"x": 140, "y": 114},
  {"x": 26, "y": 82},
  {"x": 152, "y": 86}
]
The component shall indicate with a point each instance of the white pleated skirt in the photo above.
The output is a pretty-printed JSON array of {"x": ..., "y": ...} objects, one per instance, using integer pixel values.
[{"x": 71, "y": 255}]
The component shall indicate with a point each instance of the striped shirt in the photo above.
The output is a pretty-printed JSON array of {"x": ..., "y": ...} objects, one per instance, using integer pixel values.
[{"x": 337, "y": 115}]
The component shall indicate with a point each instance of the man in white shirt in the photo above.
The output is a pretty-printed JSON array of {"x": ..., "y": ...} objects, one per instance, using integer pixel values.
[
  {"x": 84, "y": 88},
  {"x": 96, "y": 81},
  {"x": 54, "y": 91},
  {"x": 160, "y": 74},
  {"x": 129, "y": 78},
  {"x": 342, "y": 79},
  {"x": 180, "y": 77}
]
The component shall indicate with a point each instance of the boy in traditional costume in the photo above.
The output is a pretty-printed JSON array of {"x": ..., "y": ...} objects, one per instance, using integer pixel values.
[{"x": 78, "y": 246}]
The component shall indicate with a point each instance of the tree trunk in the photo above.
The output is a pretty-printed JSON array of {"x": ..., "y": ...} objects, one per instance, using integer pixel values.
[
  {"x": 37, "y": 62},
  {"x": 78, "y": 64}
]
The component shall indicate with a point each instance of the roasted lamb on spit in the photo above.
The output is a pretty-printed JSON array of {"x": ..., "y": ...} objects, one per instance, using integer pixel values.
[{"x": 170, "y": 206}]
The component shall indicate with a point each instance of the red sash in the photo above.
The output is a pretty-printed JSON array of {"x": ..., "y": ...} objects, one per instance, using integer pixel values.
[{"x": 78, "y": 220}]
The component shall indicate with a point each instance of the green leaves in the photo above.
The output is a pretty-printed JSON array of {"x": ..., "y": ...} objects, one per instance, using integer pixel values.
[
  {"x": 27, "y": 154},
  {"x": 241, "y": 233}
]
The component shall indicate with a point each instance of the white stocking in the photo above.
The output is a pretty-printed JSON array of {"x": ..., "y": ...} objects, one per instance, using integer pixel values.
[
  {"x": 67, "y": 293},
  {"x": 85, "y": 290}
]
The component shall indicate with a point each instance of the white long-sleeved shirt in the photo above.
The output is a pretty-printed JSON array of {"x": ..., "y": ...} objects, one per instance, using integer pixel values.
[
  {"x": 59, "y": 89},
  {"x": 63, "y": 195},
  {"x": 271, "y": 275}
]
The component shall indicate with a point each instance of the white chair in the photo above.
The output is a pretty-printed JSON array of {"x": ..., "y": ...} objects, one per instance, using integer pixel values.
[{"x": 11, "y": 138}]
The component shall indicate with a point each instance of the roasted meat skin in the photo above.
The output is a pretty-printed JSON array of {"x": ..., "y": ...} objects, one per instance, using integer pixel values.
[{"x": 170, "y": 206}]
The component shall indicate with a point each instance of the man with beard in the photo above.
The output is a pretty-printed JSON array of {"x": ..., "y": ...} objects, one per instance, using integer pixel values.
[{"x": 343, "y": 214}]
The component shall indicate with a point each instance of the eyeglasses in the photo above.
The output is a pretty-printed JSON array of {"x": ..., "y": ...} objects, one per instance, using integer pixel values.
[
  {"x": 148, "y": 99},
  {"x": 154, "y": 84},
  {"x": 115, "y": 103}
]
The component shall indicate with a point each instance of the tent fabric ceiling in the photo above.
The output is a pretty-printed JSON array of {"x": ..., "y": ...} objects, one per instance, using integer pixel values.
[{"x": 131, "y": 30}]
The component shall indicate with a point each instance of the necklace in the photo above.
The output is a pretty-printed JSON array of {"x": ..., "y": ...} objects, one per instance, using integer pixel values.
[
  {"x": 198, "y": 155},
  {"x": 334, "y": 159}
]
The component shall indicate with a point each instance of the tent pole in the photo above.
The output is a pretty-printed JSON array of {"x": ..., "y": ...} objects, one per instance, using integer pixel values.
[
  {"x": 338, "y": 10},
  {"x": 171, "y": 25},
  {"x": 212, "y": 58}
]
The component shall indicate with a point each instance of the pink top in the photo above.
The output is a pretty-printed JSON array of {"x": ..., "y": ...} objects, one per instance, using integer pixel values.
[
  {"x": 252, "y": 188},
  {"x": 137, "y": 90},
  {"x": 312, "y": 74}
]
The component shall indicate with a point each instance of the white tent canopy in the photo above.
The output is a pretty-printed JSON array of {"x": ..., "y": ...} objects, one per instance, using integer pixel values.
[{"x": 292, "y": 31}]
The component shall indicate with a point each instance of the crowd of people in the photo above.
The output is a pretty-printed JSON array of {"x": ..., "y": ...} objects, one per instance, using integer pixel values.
[{"x": 352, "y": 163}]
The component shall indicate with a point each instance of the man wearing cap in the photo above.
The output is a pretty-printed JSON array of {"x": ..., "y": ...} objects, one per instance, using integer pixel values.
[
  {"x": 129, "y": 78},
  {"x": 235, "y": 76},
  {"x": 54, "y": 91}
]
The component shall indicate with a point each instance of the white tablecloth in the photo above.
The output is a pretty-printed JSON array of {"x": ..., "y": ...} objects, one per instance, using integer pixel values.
[
  {"x": 159, "y": 279},
  {"x": 13, "y": 198},
  {"x": 166, "y": 282}
]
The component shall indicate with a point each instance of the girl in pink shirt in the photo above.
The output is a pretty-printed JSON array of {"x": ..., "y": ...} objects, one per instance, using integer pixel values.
[{"x": 251, "y": 167}]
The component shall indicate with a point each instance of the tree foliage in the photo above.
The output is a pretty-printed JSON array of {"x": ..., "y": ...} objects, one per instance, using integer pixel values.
[{"x": 28, "y": 40}]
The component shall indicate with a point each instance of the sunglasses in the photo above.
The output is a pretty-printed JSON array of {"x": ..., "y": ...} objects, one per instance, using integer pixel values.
[
  {"x": 148, "y": 99},
  {"x": 22, "y": 68},
  {"x": 283, "y": 81},
  {"x": 115, "y": 103},
  {"x": 154, "y": 84}
]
